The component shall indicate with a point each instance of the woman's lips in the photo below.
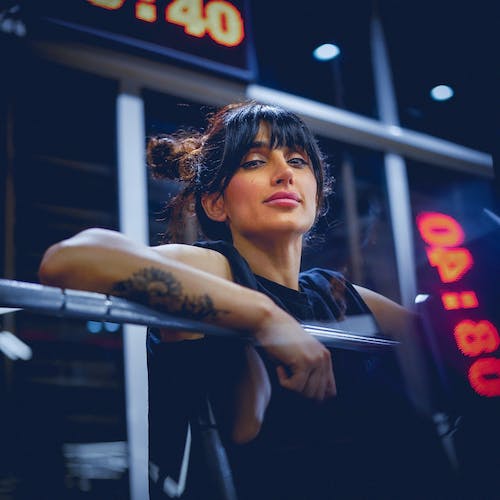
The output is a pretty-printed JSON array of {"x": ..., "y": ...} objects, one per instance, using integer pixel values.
[
  {"x": 283, "y": 202},
  {"x": 283, "y": 199}
]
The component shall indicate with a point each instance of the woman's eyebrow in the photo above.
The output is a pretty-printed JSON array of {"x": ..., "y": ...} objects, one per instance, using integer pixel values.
[
  {"x": 259, "y": 144},
  {"x": 266, "y": 145}
]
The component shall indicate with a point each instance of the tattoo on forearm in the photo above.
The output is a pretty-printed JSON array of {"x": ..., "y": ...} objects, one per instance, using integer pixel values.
[{"x": 162, "y": 290}]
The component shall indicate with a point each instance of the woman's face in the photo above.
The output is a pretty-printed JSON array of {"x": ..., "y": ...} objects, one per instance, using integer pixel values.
[{"x": 273, "y": 193}]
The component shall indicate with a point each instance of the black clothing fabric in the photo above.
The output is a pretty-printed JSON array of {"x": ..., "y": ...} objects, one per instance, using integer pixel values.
[
  {"x": 321, "y": 292},
  {"x": 365, "y": 443}
]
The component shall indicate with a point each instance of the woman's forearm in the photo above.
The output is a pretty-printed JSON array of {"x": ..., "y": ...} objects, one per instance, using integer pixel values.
[{"x": 107, "y": 262}]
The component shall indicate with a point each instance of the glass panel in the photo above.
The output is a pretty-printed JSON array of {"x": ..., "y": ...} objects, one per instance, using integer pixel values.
[
  {"x": 435, "y": 43},
  {"x": 286, "y": 36},
  {"x": 457, "y": 244},
  {"x": 63, "y": 427},
  {"x": 166, "y": 114},
  {"x": 356, "y": 231}
]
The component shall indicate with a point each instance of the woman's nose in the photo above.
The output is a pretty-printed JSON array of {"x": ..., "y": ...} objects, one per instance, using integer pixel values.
[{"x": 283, "y": 173}]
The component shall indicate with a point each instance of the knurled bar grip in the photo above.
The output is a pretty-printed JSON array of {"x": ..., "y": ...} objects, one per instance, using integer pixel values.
[{"x": 80, "y": 304}]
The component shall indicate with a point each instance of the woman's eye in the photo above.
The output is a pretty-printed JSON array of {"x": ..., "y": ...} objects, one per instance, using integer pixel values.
[
  {"x": 298, "y": 161},
  {"x": 251, "y": 164}
]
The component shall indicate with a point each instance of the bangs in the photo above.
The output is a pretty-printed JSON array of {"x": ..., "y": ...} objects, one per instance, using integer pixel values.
[{"x": 285, "y": 129}]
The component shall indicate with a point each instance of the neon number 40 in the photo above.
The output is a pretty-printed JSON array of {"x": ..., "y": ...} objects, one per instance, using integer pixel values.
[{"x": 220, "y": 19}]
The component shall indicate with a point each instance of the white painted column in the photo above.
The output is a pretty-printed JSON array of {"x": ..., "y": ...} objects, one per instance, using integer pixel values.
[
  {"x": 410, "y": 355},
  {"x": 395, "y": 170},
  {"x": 132, "y": 195}
]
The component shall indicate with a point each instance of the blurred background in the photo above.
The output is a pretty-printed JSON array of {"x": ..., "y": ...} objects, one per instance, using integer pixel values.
[{"x": 403, "y": 99}]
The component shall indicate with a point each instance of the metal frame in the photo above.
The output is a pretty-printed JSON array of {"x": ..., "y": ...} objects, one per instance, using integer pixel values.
[
  {"x": 324, "y": 119},
  {"x": 396, "y": 177},
  {"x": 133, "y": 215}
]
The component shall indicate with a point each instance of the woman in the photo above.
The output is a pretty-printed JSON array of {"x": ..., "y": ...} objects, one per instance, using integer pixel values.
[{"x": 255, "y": 179}]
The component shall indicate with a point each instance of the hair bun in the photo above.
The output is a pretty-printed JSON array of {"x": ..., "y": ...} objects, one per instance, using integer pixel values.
[
  {"x": 173, "y": 156},
  {"x": 160, "y": 153}
]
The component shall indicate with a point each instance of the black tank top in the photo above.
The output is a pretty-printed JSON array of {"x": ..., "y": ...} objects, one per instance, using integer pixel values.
[
  {"x": 305, "y": 450},
  {"x": 301, "y": 442},
  {"x": 323, "y": 294}
]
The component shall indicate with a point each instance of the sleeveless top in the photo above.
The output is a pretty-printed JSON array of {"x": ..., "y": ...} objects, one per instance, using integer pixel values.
[{"x": 305, "y": 449}]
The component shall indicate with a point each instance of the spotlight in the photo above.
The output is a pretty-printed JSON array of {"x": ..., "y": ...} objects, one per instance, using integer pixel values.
[
  {"x": 442, "y": 93},
  {"x": 326, "y": 52}
]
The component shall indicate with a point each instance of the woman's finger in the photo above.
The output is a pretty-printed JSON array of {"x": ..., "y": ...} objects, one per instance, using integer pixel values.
[{"x": 295, "y": 382}]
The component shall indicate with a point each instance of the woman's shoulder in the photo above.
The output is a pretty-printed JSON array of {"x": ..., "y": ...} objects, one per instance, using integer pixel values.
[
  {"x": 202, "y": 258},
  {"x": 240, "y": 269},
  {"x": 334, "y": 284},
  {"x": 320, "y": 273}
]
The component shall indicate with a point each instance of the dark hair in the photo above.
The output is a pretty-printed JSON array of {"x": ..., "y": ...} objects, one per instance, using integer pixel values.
[{"x": 206, "y": 161}]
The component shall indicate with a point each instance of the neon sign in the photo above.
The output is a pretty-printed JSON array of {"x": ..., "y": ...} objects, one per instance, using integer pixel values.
[
  {"x": 219, "y": 19},
  {"x": 213, "y": 33},
  {"x": 477, "y": 340}
]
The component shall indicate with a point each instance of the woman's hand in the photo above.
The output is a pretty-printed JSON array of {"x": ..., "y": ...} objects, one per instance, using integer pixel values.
[
  {"x": 304, "y": 364},
  {"x": 252, "y": 393}
]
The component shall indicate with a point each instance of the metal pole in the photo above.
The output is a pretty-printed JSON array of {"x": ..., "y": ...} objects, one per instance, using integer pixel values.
[
  {"x": 132, "y": 191},
  {"x": 395, "y": 170}
]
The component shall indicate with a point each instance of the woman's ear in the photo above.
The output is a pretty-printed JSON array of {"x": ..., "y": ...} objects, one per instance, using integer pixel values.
[{"x": 214, "y": 207}]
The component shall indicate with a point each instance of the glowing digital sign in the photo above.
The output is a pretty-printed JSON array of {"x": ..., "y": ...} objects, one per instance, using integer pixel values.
[
  {"x": 214, "y": 34},
  {"x": 475, "y": 337}
]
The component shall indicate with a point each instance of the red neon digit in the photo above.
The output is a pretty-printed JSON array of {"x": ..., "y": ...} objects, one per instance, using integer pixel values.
[
  {"x": 440, "y": 230},
  {"x": 476, "y": 338},
  {"x": 224, "y": 23},
  {"x": 107, "y": 4},
  {"x": 459, "y": 300},
  {"x": 484, "y": 377},
  {"x": 469, "y": 300},
  {"x": 451, "y": 264},
  {"x": 187, "y": 13},
  {"x": 145, "y": 10},
  {"x": 450, "y": 301}
]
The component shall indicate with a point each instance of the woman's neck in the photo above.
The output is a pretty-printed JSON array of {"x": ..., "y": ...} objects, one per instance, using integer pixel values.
[{"x": 278, "y": 261}]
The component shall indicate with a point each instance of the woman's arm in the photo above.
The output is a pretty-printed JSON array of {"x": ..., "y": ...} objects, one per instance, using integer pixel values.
[
  {"x": 252, "y": 393},
  {"x": 108, "y": 262},
  {"x": 394, "y": 319},
  {"x": 168, "y": 279},
  {"x": 403, "y": 325}
]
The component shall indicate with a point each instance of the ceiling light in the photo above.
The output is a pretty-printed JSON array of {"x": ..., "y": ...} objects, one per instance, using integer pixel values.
[
  {"x": 442, "y": 93},
  {"x": 111, "y": 327},
  {"x": 94, "y": 326},
  {"x": 326, "y": 52}
]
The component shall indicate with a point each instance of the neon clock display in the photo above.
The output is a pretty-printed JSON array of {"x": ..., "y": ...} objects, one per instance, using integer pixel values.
[
  {"x": 214, "y": 34},
  {"x": 475, "y": 338},
  {"x": 219, "y": 19}
]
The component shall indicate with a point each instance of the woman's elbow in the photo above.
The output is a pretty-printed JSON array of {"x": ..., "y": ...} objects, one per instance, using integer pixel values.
[
  {"x": 61, "y": 259},
  {"x": 51, "y": 269},
  {"x": 244, "y": 432}
]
